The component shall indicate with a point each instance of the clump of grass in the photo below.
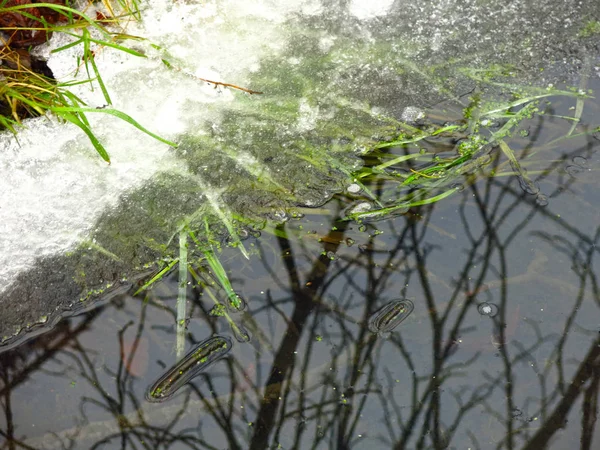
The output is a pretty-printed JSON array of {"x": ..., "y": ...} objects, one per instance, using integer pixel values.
[
  {"x": 419, "y": 177},
  {"x": 26, "y": 93}
]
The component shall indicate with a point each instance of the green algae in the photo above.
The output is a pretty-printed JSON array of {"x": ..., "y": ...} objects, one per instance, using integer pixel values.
[{"x": 590, "y": 28}]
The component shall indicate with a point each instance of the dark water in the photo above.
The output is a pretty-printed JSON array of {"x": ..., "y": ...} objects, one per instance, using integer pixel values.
[{"x": 501, "y": 350}]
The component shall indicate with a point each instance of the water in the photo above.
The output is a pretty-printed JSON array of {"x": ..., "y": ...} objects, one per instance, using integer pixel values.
[{"x": 312, "y": 374}]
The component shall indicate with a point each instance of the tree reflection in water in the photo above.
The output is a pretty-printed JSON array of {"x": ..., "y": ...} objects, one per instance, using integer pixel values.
[{"x": 315, "y": 376}]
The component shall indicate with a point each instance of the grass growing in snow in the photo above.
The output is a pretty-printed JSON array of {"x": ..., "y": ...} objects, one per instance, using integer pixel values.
[{"x": 25, "y": 93}]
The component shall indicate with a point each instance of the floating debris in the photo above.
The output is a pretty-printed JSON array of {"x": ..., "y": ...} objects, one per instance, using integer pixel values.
[
  {"x": 206, "y": 353},
  {"x": 450, "y": 347},
  {"x": 218, "y": 310},
  {"x": 487, "y": 309},
  {"x": 390, "y": 316}
]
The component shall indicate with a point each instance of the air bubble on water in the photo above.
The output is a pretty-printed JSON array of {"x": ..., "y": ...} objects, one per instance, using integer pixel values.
[
  {"x": 541, "y": 199},
  {"x": 354, "y": 188},
  {"x": 332, "y": 256},
  {"x": 573, "y": 169},
  {"x": 362, "y": 228},
  {"x": 280, "y": 215},
  {"x": 487, "y": 309}
]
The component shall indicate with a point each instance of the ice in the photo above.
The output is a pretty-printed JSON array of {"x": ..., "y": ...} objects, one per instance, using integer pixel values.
[
  {"x": 368, "y": 10},
  {"x": 52, "y": 181},
  {"x": 54, "y": 185}
]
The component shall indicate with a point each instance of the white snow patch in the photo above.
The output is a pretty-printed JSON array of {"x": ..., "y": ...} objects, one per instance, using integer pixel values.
[
  {"x": 363, "y": 9},
  {"x": 54, "y": 185}
]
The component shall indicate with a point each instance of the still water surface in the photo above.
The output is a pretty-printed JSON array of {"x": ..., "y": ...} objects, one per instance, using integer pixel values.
[{"x": 468, "y": 323}]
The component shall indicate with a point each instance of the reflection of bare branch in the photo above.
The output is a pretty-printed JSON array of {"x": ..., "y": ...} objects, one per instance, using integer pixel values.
[
  {"x": 588, "y": 369},
  {"x": 314, "y": 376},
  {"x": 304, "y": 304}
]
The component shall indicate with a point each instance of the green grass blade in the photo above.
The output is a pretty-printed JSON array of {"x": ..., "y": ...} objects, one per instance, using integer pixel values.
[
  {"x": 208, "y": 289},
  {"x": 116, "y": 113},
  {"x": 157, "y": 277},
  {"x": 92, "y": 60},
  {"x": 118, "y": 47},
  {"x": 58, "y": 8},
  {"x": 67, "y": 46},
  {"x": 219, "y": 272},
  {"x": 182, "y": 293},
  {"x": 75, "y": 120}
]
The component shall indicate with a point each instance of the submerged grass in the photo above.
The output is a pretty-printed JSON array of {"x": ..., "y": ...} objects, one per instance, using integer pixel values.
[
  {"x": 419, "y": 177},
  {"x": 182, "y": 293},
  {"x": 205, "y": 268},
  {"x": 393, "y": 182}
]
